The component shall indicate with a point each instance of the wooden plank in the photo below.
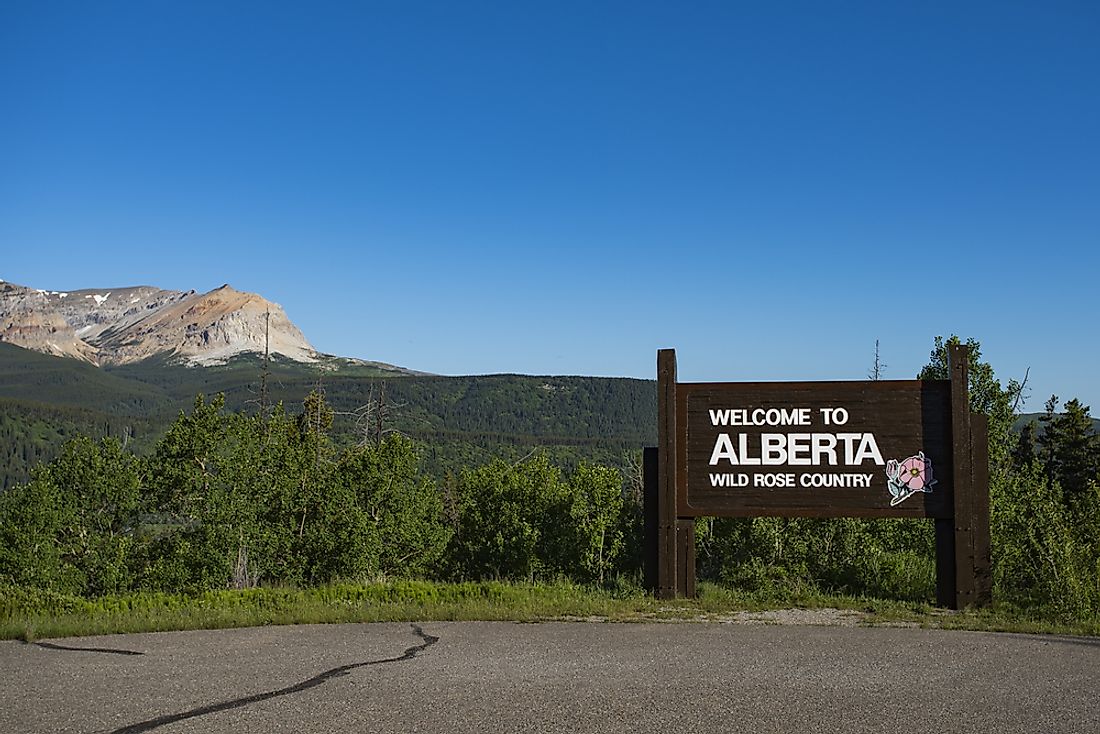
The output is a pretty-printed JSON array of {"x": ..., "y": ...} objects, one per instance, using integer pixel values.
[
  {"x": 666, "y": 483},
  {"x": 958, "y": 364},
  {"x": 779, "y": 510},
  {"x": 983, "y": 570},
  {"x": 649, "y": 518},
  {"x": 681, "y": 452},
  {"x": 945, "y": 563}
]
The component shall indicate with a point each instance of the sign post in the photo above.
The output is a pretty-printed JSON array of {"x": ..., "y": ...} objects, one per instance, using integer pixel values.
[{"x": 874, "y": 449}]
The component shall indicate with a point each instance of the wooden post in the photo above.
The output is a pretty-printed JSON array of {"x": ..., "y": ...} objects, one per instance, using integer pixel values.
[
  {"x": 983, "y": 570},
  {"x": 962, "y": 476},
  {"x": 650, "y": 521},
  {"x": 945, "y": 562},
  {"x": 667, "y": 583},
  {"x": 685, "y": 549}
]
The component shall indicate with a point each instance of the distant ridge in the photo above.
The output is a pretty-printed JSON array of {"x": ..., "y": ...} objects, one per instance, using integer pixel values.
[{"x": 1026, "y": 418}]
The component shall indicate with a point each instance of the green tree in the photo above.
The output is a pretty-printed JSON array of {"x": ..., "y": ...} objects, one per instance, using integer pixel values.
[
  {"x": 1045, "y": 553},
  {"x": 987, "y": 396},
  {"x": 31, "y": 518},
  {"x": 207, "y": 518},
  {"x": 595, "y": 515},
  {"x": 510, "y": 516},
  {"x": 1045, "y": 559},
  {"x": 74, "y": 526},
  {"x": 1071, "y": 449},
  {"x": 404, "y": 532},
  {"x": 1024, "y": 454},
  {"x": 189, "y": 459},
  {"x": 103, "y": 485}
]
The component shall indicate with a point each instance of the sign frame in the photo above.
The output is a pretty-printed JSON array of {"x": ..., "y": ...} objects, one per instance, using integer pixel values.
[{"x": 934, "y": 415}]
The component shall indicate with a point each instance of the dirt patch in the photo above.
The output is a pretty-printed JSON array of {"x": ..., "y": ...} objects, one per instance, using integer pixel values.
[{"x": 804, "y": 617}]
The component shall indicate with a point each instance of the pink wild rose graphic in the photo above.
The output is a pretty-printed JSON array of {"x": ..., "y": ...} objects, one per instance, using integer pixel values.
[{"x": 909, "y": 476}]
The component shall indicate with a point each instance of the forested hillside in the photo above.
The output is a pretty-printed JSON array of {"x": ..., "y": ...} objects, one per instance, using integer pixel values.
[
  {"x": 460, "y": 420},
  {"x": 32, "y": 433}
]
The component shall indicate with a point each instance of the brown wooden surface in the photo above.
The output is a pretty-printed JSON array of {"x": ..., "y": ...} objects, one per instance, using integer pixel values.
[
  {"x": 666, "y": 474},
  {"x": 685, "y": 549},
  {"x": 945, "y": 563},
  {"x": 983, "y": 571},
  {"x": 906, "y": 416},
  {"x": 965, "y": 590},
  {"x": 649, "y": 518}
]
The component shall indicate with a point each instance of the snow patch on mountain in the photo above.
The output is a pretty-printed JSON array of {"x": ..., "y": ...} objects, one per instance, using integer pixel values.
[{"x": 142, "y": 321}]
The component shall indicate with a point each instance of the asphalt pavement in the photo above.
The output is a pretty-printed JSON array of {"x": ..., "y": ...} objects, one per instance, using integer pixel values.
[{"x": 553, "y": 677}]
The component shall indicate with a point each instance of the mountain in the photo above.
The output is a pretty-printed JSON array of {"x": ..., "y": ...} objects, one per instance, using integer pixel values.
[{"x": 127, "y": 325}]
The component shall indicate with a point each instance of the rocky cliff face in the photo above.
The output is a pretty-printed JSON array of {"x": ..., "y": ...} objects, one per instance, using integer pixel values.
[{"x": 124, "y": 325}]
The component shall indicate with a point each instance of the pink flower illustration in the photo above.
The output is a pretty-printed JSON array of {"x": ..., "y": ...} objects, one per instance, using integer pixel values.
[
  {"x": 909, "y": 476},
  {"x": 913, "y": 471}
]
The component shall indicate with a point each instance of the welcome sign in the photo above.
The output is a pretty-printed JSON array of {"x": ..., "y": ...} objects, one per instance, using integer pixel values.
[
  {"x": 889, "y": 448},
  {"x": 821, "y": 449}
]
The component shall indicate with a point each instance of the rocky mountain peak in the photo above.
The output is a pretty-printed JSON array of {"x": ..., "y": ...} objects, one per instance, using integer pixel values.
[{"x": 122, "y": 325}]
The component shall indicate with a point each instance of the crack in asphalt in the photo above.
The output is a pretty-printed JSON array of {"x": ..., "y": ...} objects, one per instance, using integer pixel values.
[
  {"x": 55, "y": 646},
  {"x": 149, "y": 725}
]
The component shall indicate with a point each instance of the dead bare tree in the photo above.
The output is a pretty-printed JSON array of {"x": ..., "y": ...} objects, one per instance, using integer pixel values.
[
  {"x": 265, "y": 371},
  {"x": 267, "y": 363},
  {"x": 1019, "y": 390},
  {"x": 526, "y": 456},
  {"x": 449, "y": 493},
  {"x": 374, "y": 418},
  {"x": 380, "y": 414},
  {"x": 878, "y": 367},
  {"x": 242, "y": 577},
  {"x": 634, "y": 489}
]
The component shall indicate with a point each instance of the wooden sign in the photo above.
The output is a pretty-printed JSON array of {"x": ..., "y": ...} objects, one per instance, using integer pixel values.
[
  {"x": 898, "y": 448},
  {"x": 815, "y": 449}
]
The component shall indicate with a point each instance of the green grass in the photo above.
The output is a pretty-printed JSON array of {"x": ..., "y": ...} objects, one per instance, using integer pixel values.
[
  {"x": 30, "y": 615},
  {"x": 33, "y": 614}
]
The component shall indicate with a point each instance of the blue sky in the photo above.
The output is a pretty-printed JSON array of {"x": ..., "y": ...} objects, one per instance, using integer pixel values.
[{"x": 565, "y": 187}]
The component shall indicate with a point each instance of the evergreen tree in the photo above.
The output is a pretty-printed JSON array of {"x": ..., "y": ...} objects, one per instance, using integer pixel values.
[
  {"x": 1073, "y": 449},
  {"x": 1024, "y": 454}
]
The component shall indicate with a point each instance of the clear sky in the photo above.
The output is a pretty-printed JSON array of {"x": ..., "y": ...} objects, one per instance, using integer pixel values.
[{"x": 564, "y": 187}]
